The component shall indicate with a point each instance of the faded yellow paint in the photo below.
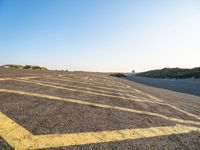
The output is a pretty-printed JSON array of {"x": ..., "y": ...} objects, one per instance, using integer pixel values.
[
  {"x": 114, "y": 86},
  {"x": 83, "y": 91},
  {"x": 104, "y": 81},
  {"x": 11, "y": 78},
  {"x": 101, "y": 106},
  {"x": 127, "y": 89},
  {"x": 105, "y": 88},
  {"x": 4, "y": 79},
  {"x": 122, "y": 86},
  {"x": 113, "y": 96},
  {"x": 86, "y": 88},
  {"x": 107, "y": 95},
  {"x": 21, "y": 139},
  {"x": 31, "y": 77},
  {"x": 103, "y": 92},
  {"x": 100, "y": 87}
]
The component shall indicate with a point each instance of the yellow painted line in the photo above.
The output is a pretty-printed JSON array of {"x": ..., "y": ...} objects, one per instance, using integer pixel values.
[
  {"x": 86, "y": 88},
  {"x": 15, "y": 135},
  {"x": 58, "y": 140},
  {"x": 21, "y": 139},
  {"x": 101, "y": 106},
  {"x": 122, "y": 86},
  {"x": 113, "y": 96},
  {"x": 105, "y": 80},
  {"x": 83, "y": 91},
  {"x": 92, "y": 80},
  {"x": 4, "y": 79},
  {"x": 102, "y": 86},
  {"x": 128, "y": 89},
  {"x": 108, "y": 88},
  {"x": 178, "y": 109},
  {"x": 98, "y": 84},
  {"x": 150, "y": 96},
  {"x": 82, "y": 82},
  {"x": 10, "y": 78},
  {"x": 31, "y": 77},
  {"x": 136, "y": 99}
]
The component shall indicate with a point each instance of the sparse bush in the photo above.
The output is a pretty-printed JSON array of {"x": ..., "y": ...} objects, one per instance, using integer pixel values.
[
  {"x": 118, "y": 75},
  {"x": 27, "y": 67},
  {"x": 13, "y": 66},
  {"x": 24, "y": 67}
]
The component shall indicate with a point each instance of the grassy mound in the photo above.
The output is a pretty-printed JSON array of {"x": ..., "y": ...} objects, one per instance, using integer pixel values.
[
  {"x": 177, "y": 73},
  {"x": 24, "y": 67},
  {"x": 13, "y": 66}
]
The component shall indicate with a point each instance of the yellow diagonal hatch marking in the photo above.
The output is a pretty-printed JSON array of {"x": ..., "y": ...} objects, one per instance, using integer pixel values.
[
  {"x": 85, "y": 88},
  {"x": 122, "y": 86},
  {"x": 83, "y": 91},
  {"x": 109, "y": 95},
  {"x": 101, "y": 106},
  {"x": 21, "y": 139},
  {"x": 103, "y": 87}
]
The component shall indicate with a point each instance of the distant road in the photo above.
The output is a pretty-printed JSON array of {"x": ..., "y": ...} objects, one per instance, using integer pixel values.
[{"x": 189, "y": 86}]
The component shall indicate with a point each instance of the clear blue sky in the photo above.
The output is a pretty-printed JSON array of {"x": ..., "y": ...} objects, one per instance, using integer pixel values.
[{"x": 100, "y": 35}]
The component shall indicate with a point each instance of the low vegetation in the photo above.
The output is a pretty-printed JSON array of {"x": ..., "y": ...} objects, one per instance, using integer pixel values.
[
  {"x": 24, "y": 67},
  {"x": 118, "y": 75},
  {"x": 177, "y": 73}
]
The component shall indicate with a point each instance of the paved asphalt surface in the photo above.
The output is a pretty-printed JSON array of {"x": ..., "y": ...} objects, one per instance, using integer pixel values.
[
  {"x": 82, "y": 110},
  {"x": 188, "y": 86}
]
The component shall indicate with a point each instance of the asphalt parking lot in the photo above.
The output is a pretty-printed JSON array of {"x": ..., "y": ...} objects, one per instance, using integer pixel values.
[{"x": 82, "y": 110}]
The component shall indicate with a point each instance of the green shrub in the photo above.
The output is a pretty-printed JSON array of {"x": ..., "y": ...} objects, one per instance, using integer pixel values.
[
  {"x": 27, "y": 67},
  {"x": 118, "y": 75}
]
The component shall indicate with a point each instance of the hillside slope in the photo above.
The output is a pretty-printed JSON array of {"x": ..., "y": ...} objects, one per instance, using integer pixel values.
[{"x": 172, "y": 73}]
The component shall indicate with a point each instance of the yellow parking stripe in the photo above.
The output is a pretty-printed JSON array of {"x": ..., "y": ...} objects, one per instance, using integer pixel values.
[
  {"x": 143, "y": 94},
  {"x": 113, "y": 96},
  {"x": 97, "y": 86},
  {"x": 103, "y": 81},
  {"x": 169, "y": 105},
  {"x": 31, "y": 77},
  {"x": 101, "y": 106},
  {"x": 42, "y": 83},
  {"x": 81, "y": 87},
  {"x": 86, "y": 88},
  {"x": 21, "y": 139},
  {"x": 83, "y": 91},
  {"x": 136, "y": 99},
  {"x": 58, "y": 140},
  {"x": 4, "y": 79},
  {"x": 91, "y": 83},
  {"x": 122, "y": 85},
  {"x": 15, "y": 135},
  {"x": 127, "y": 90},
  {"x": 110, "y": 88}
]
